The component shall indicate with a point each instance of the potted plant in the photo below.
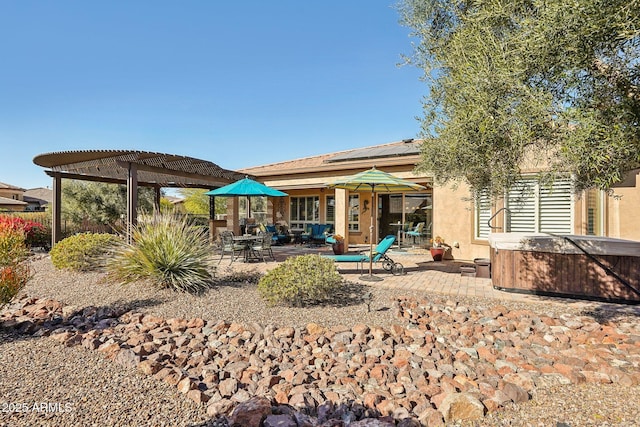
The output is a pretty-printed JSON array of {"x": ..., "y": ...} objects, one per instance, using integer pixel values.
[
  {"x": 337, "y": 243},
  {"x": 438, "y": 247}
]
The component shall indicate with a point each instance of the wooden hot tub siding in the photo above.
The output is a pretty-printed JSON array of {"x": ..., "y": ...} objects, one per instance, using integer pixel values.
[{"x": 574, "y": 275}]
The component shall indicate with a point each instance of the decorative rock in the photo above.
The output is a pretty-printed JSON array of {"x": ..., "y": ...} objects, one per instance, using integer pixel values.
[
  {"x": 185, "y": 385},
  {"x": 461, "y": 406},
  {"x": 515, "y": 392},
  {"x": 149, "y": 367},
  {"x": 127, "y": 358},
  {"x": 279, "y": 421},
  {"x": 228, "y": 387},
  {"x": 221, "y": 407},
  {"x": 250, "y": 413}
]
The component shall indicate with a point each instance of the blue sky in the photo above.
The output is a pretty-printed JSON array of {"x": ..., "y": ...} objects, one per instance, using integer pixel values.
[{"x": 236, "y": 83}]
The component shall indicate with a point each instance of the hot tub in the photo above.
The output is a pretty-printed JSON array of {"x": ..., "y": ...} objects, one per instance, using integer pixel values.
[{"x": 587, "y": 267}]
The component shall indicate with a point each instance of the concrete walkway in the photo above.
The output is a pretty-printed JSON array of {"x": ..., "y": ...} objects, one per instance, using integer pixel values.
[{"x": 421, "y": 274}]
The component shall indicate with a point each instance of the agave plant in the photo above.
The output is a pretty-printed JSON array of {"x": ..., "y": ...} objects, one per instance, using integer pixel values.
[{"x": 165, "y": 250}]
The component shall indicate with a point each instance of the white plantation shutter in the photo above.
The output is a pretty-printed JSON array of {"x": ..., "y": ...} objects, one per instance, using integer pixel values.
[
  {"x": 483, "y": 214},
  {"x": 521, "y": 201},
  {"x": 555, "y": 208},
  {"x": 540, "y": 208}
]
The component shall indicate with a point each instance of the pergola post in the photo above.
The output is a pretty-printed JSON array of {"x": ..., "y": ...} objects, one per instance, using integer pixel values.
[
  {"x": 132, "y": 198},
  {"x": 212, "y": 217},
  {"x": 158, "y": 196},
  {"x": 56, "y": 220}
]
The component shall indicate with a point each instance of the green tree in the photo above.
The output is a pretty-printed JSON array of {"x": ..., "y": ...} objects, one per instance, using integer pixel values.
[
  {"x": 551, "y": 84},
  {"x": 197, "y": 203},
  {"x": 100, "y": 203}
]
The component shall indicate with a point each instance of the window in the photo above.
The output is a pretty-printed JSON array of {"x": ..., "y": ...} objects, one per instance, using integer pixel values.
[
  {"x": 594, "y": 218},
  {"x": 303, "y": 211},
  {"x": 482, "y": 216},
  {"x": 536, "y": 207},
  {"x": 533, "y": 207},
  {"x": 354, "y": 212},
  {"x": 330, "y": 213}
]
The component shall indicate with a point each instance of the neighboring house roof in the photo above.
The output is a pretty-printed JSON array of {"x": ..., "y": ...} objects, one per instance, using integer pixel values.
[
  {"x": 10, "y": 187},
  {"x": 174, "y": 200},
  {"x": 8, "y": 201},
  {"x": 41, "y": 195},
  {"x": 395, "y": 153}
]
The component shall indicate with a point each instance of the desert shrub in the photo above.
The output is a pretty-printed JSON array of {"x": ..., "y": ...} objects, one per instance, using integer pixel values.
[
  {"x": 14, "y": 270},
  {"x": 299, "y": 280},
  {"x": 83, "y": 252},
  {"x": 167, "y": 251},
  {"x": 36, "y": 234}
]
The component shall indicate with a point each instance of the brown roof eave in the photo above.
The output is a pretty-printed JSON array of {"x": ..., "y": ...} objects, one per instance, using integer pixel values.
[{"x": 337, "y": 167}]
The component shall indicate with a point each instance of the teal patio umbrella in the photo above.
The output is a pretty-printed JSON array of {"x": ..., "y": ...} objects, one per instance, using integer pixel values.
[
  {"x": 375, "y": 180},
  {"x": 246, "y": 187}
]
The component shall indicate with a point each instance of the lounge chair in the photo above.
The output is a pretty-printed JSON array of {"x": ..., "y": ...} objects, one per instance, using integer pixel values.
[{"x": 379, "y": 254}]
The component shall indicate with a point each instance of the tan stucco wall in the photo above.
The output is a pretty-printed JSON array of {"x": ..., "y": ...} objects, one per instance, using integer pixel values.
[
  {"x": 453, "y": 221},
  {"x": 11, "y": 194},
  {"x": 623, "y": 218}
]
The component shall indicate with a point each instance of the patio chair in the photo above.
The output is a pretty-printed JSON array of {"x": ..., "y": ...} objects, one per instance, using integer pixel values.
[
  {"x": 319, "y": 233},
  {"x": 379, "y": 254},
  {"x": 416, "y": 232},
  {"x": 279, "y": 237},
  {"x": 262, "y": 247},
  {"x": 229, "y": 246}
]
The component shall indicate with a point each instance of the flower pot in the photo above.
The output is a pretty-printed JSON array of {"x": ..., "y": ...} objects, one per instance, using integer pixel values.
[
  {"x": 338, "y": 248},
  {"x": 437, "y": 253}
]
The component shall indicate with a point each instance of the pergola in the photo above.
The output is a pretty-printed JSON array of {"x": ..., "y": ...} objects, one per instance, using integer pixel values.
[{"x": 133, "y": 168}]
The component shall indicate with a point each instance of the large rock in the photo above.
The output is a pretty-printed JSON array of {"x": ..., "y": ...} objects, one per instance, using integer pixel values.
[
  {"x": 250, "y": 413},
  {"x": 461, "y": 407}
]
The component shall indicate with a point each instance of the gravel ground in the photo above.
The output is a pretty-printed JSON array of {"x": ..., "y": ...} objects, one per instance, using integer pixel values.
[{"x": 99, "y": 392}]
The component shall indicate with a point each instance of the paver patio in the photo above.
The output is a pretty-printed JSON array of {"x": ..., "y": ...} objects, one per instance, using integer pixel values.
[{"x": 421, "y": 274}]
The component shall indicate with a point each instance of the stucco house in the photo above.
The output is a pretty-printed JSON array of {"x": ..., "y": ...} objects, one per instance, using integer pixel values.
[
  {"x": 38, "y": 198},
  {"x": 11, "y": 198},
  {"x": 463, "y": 221}
]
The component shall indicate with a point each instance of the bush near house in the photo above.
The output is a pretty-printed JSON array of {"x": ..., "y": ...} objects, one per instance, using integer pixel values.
[
  {"x": 300, "y": 280},
  {"x": 166, "y": 250},
  {"x": 36, "y": 234},
  {"x": 14, "y": 270},
  {"x": 83, "y": 252}
]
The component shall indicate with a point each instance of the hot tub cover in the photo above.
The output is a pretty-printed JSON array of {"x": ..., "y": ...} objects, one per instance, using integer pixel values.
[{"x": 543, "y": 242}]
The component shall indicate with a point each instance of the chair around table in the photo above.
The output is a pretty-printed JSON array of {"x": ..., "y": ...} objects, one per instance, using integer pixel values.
[
  {"x": 416, "y": 232},
  {"x": 229, "y": 246},
  {"x": 262, "y": 247},
  {"x": 379, "y": 254}
]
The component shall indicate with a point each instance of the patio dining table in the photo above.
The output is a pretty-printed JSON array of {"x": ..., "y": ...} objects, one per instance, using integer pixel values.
[{"x": 247, "y": 241}]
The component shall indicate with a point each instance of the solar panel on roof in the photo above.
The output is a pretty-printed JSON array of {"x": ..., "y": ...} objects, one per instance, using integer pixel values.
[{"x": 397, "y": 150}]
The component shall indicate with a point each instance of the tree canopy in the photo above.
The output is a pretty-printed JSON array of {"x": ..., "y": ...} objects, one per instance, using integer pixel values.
[
  {"x": 514, "y": 84},
  {"x": 197, "y": 203},
  {"x": 99, "y": 202}
]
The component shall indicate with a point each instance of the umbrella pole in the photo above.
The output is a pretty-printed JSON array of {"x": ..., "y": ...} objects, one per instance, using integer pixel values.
[{"x": 370, "y": 277}]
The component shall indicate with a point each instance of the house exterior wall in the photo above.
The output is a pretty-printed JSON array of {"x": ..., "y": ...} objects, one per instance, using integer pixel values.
[
  {"x": 622, "y": 218},
  {"x": 453, "y": 212},
  {"x": 453, "y": 220},
  {"x": 9, "y": 193},
  {"x": 453, "y": 217}
]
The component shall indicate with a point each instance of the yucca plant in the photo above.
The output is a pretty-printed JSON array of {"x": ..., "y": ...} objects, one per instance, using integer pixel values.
[{"x": 165, "y": 250}]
